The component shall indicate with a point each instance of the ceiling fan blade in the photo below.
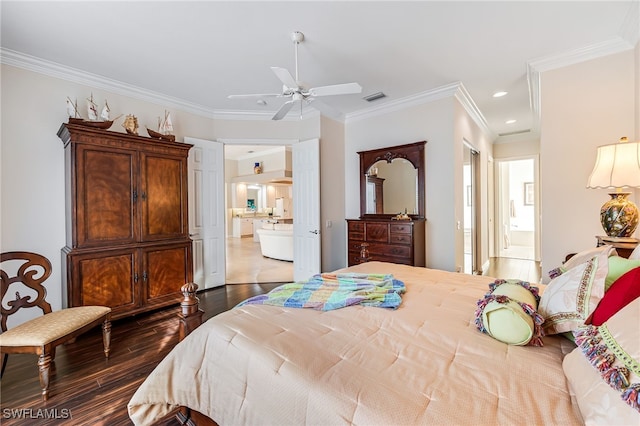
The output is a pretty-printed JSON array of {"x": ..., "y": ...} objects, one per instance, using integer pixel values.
[
  {"x": 284, "y": 109},
  {"x": 285, "y": 77},
  {"x": 336, "y": 89},
  {"x": 255, "y": 95},
  {"x": 324, "y": 108}
]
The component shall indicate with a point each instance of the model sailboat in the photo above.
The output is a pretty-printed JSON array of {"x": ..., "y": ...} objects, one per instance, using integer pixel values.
[
  {"x": 105, "y": 111},
  {"x": 92, "y": 112},
  {"x": 165, "y": 128},
  {"x": 92, "y": 109}
]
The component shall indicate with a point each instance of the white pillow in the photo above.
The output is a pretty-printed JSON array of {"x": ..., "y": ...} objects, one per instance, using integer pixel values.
[
  {"x": 570, "y": 298},
  {"x": 600, "y": 403},
  {"x": 580, "y": 258},
  {"x": 635, "y": 254}
]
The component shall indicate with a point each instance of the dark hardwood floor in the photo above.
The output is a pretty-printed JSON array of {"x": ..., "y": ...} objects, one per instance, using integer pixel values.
[{"x": 86, "y": 389}]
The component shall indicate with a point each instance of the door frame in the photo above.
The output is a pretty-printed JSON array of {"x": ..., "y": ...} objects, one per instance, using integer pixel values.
[
  {"x": 498, "y": 200},
  {"x": 204, "y": 225},
  {"x": 274, "y": 142},
  {"x": 475, "y": 200}
]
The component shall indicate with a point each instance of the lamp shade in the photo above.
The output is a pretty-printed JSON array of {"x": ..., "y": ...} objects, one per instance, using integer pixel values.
[{"x": 617, "y": 166}]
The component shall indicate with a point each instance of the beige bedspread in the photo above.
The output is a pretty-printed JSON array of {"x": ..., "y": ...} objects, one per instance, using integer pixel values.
[{"x": 424, "y": 363}]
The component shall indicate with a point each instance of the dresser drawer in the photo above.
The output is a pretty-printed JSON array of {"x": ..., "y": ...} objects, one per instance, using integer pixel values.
[
  {"x": 400, "y": 239},
  {"x": 377, "y": 232},
  {"x": 356, "y": 236},
  {"x": 356, "y": 227},
  {"x": 354, "y": 258},
  {"x": 390, "y": 250},
  {"x": 400, "y": 228},
  {"x": 391, "y": 259},
  {"x": 355, "y": 245}
]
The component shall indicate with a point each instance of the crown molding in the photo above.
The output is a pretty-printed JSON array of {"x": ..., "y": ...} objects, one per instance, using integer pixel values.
[
  {"x": 472, "y": 109},
  {"x": 74, "y": 75},
  {"x": 456, "y": 90},
  {"x": 402, "y": 103},
  {"x": 593, "y": 51},
  {"x": 575, "y": 56},
  {"x": 63, "y": 72}
]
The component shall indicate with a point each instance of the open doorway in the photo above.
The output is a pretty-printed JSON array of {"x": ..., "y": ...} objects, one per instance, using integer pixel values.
[
  {"x": 210, "y": 206},
  {"x": 259, "y": 214},
  {"x": 470, "y": 171},
  {"x": 517, "y": 224}
]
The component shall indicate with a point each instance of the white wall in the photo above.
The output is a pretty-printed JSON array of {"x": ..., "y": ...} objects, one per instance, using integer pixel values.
[
  {"x": 432, "y": 122},
  {"x": 272, "y": 160},
  {"x": 583, "y": 106},
  {"x": 32, "y": 160},
  {"x": 332, "y": 195}
]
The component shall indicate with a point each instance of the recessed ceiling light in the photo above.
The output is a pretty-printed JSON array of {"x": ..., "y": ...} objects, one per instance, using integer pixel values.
[
  {"x": 510, "y": 121},
  {"x": 499, "y": 94}
]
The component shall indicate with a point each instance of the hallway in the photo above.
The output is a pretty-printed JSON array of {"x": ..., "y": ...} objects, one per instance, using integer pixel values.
[
  {"x": 523, "y": 269},
  {"x": 245, "y": 264}
]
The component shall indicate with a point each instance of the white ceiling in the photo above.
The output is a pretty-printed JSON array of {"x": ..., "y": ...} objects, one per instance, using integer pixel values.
[{"x": 200, "y": 52}]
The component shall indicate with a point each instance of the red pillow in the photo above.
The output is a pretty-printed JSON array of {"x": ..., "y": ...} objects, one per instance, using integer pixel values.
[{"x": 623, "y": 291}]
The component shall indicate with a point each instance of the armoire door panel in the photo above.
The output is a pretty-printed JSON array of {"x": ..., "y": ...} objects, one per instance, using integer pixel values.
[
  {"x": 107, "y": 280},
  {"x": 105, "y": 204},
  {"x": 163, "y": 197},
  {"x": 167, "y": 269}
]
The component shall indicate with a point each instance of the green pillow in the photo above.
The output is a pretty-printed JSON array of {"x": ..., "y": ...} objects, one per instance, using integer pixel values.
[
  {"x": 618, "y": 266},
  {"x": 502, "y": 315},
  {"x": 508, "y": 323}
]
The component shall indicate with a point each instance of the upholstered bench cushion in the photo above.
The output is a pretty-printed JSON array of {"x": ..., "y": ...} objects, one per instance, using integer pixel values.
[{"x": 47, "y": 328}]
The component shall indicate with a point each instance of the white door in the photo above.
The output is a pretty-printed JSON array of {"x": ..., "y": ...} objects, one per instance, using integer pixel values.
[
  {"x": 306, "y": 207},
  {"x": 206, "y": 211}
]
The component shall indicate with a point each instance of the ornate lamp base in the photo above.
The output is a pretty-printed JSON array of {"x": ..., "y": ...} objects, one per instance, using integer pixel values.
[{"x": 619, "y": 216}]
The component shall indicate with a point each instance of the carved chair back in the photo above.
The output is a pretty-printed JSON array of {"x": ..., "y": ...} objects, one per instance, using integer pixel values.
[{"x": 34, "y": 269}]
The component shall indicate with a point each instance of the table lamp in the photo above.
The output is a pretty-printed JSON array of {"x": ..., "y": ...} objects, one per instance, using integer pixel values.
[{"x": 617, "y": 166}]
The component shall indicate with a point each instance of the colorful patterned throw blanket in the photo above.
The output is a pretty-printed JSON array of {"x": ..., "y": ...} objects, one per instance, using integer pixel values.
[{"x": 325, "y": 292}]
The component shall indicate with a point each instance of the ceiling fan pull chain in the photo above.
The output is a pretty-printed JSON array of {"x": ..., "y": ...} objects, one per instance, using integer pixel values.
[{"x": 296, "y": 43}]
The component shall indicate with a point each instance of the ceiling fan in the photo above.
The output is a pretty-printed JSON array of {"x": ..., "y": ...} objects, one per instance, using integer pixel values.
[{"x": 296, "y": 92}]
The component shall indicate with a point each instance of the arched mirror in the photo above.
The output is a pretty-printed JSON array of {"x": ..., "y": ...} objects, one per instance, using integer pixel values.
[{"x": 392, "y": 181}]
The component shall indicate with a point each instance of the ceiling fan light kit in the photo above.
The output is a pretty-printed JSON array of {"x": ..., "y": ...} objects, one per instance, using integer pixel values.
[{"x": 297, "y": 93}]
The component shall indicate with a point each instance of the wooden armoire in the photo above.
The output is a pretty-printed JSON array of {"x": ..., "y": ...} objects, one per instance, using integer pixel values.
[{"x": 127, "y": 232}]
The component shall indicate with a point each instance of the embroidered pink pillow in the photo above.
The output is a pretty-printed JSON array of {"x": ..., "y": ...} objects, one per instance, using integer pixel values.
[
  {"x": 604, "y": 370},
  {"x": 568, "y": 300}
]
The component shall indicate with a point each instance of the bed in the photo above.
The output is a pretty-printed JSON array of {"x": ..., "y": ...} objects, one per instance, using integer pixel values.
[{"x": 423, "y": 363}]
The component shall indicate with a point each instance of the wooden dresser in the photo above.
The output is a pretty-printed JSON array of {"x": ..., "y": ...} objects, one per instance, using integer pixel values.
[
  {"x": 395, "y": 241},
  {"x": 127, "y": 234}
]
